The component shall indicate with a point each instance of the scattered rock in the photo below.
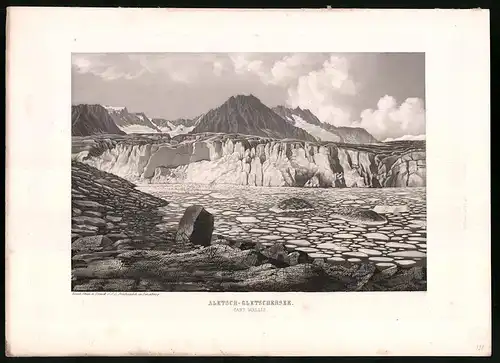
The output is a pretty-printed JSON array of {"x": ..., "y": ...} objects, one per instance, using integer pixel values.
[
  {"x": 121, "y": 285},
  {"x": 196, "y": 226},
  {"x": 88, "y": 204},
  {"x": 117, "y": 236},
  {"x": 114, "y": 218},
  {"x": 149, "y": 285},
  {"x": 92, "y": 221},
  {"x": 293, "y": 258},
  {"x": 350, "y": 278},
  {"x": 277, "y": 253},
  {"x": 90, "y": 243}
]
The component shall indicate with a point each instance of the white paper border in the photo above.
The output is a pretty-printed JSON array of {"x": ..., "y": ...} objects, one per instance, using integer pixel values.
[{"x": 44, "y": 318}]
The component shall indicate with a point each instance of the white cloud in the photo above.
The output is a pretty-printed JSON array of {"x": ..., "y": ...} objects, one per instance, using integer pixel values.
[
  {"x": 217, "y": 68},
  {"x": 318, "y": 89},
  {"x": 392, "y": 121},
  {"x": 282, "y": 71},
  {"x": 99, "y": 65},
  {"x": 244, "y": 63},
  {"x": 130, "y": 66},
  {"x": 287, "y": 70},
  {"x": 182, "y": 77},
  {"x": 312, "y": 81},
  {"x": 82, "y": 64}
]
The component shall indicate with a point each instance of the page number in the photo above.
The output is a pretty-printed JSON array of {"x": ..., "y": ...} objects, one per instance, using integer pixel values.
[{"x": 480, "y": 347}]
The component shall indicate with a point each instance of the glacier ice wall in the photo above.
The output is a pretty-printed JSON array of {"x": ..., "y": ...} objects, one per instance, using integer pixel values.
[{"x": 261, "y": 162}]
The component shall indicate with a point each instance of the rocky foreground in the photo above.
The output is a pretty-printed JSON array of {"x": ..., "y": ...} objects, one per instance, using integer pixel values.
[{"x": 118, "y": 245}]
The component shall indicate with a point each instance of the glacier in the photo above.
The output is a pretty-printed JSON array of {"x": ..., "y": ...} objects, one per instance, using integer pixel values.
[{"x": 210, "y": 158}]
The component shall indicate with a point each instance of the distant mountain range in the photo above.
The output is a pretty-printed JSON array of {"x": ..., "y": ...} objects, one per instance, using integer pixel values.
[
  {"x": 92, "y": 119},
  {"x": 175, "y": 127},
  {"x": 322, "y": 131},
  {"x": 131, "y": 122},
  {"x": 241, "y": 114}
]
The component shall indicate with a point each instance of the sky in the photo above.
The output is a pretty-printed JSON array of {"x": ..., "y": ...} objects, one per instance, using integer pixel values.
[{"x": 381, "y": 92}]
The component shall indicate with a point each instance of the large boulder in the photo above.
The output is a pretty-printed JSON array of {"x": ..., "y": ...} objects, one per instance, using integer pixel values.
[{"x": 196, "y": 226}]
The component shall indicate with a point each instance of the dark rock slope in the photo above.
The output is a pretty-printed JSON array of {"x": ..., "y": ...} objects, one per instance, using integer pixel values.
[
  {"x": 92, "y": 119},
  {"x": 104, "y": 204},
  {"x": 247, "y": 115}
]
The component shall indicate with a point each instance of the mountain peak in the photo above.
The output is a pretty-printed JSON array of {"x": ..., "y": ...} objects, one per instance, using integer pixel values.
[
  {"x": 247, "y": 115},
  {"x": 115, "y": 108},
  {"x": 92, "y": 119},
  {"x": 242, "y": 98}
]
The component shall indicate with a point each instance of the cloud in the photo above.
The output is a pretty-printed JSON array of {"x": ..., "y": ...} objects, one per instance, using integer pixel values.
[
  {"x": 392, "y": 121},
  {"x": 311, "y": 80},
  {"x": 102, "y": 66},
  {"x": 272, "y": 69},
  {"x": 217, "y": 68},
  {"x": 321, "y": 82},
  {"x": 244, "y": 64},
  {"x": 287, "y": 70},
  {"x": 316, "y": 81},
  {"x": 319, "y": 89},
  {"x": 130, "y": 66}
]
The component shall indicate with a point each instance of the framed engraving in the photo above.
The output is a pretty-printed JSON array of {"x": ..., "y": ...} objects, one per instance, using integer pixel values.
[{"x": 247, "y": 182}]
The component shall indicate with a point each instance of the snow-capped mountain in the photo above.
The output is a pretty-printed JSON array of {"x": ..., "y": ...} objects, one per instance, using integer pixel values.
[
  {"x": 174, "y": 127},
  {"x": 306, "y": 120},
  {"x": 247, "y": 115},
  {"x": 131, "y": 122}
]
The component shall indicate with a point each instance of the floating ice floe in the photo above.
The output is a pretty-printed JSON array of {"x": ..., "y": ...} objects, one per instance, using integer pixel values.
[{"x": 384, "y": 209}]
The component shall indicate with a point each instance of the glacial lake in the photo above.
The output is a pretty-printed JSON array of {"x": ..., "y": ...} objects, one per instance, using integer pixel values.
[{"x": 246, "y": 213}]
